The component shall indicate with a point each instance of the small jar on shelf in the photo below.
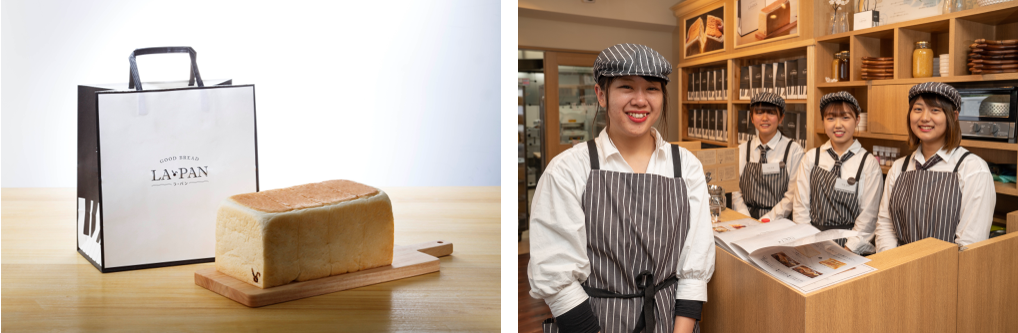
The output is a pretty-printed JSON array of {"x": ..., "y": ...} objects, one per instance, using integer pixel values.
[{"x": 922, "y": 60}]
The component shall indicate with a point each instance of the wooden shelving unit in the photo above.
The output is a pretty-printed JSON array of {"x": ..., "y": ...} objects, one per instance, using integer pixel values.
[{"x": 884, "y": 100}]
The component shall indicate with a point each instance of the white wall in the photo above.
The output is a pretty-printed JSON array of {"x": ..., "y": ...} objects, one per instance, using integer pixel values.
[{"x": 388, "y": 93}]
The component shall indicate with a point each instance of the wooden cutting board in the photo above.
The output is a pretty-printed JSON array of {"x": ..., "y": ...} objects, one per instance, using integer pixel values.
[{"x": 407, "y": 261}]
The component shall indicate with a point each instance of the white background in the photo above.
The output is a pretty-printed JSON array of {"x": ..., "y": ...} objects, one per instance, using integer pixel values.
[{"x": 388, "y": 93}]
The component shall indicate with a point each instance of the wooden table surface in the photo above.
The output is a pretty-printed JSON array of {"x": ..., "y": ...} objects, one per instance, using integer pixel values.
[{"x": 48, "y": 286}]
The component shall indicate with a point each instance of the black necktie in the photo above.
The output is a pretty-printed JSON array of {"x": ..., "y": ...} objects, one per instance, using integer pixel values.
[
  {"x": 763, "y": 154},
  {"x": 837, "y": 163},
  {"x": 929, "y": 164}
]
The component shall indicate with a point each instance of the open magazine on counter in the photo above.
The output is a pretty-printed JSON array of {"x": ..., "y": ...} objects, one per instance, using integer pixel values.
[{"x": 799, "y": 255}]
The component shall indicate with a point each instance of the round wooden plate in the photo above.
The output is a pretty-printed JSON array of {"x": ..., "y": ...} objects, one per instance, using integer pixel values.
[
  {"x": 997, "y": 42},
  {"x": 998, "y": 71},
  {"x": 878, "y": 66},
  {"x": 878, "y": 70},
  {"x": 1002, "y": 52},
  {"x": 870, "y": 62},
  {"x": 878, "y": 58},
  {"x": 998, "y": 62}
]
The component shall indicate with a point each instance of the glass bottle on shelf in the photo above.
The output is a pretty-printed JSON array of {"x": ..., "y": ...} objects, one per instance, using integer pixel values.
[
  {"x": 836, "y": 66},
  {"x": 922, "y": 60},
  {"x": 952, "y": 6},
  {"x": 843, "y": 66}
]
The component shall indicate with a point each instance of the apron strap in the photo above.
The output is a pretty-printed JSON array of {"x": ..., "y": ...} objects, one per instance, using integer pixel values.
[
  {"x": 644, "y": 281},
  {"x": 787, "y": 148},
  {"x": 748, "y": 148},
  {"x": 858, "y": 173},
  {"x": 904, "y": 166},
  {"x": 676, "y": 161},
  {"x": 960, "y": 160},
  {"x": 594, "y": 164},
  {"x": 816, "y": 161}
]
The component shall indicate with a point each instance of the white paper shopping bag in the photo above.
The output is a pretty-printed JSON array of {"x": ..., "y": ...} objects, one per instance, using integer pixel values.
[{"x": 154, "y": 164}]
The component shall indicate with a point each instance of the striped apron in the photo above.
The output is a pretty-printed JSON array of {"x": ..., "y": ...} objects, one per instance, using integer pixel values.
[
  {"x": 761, "y": 192},
  {"x": 830, "y": 208},
  {"x": 636, "y": 227},
  {"x": 926, "y": 204}
]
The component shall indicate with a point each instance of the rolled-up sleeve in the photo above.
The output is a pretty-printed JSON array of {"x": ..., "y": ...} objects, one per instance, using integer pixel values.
[
  {"x": 696, "y": 263},
  {"x": 558, "y": 258}
]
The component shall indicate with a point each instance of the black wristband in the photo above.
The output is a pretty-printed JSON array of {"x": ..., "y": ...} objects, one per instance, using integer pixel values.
[
  {"x": 580, "y": 319},
  {"x": 688, "y": 309}
]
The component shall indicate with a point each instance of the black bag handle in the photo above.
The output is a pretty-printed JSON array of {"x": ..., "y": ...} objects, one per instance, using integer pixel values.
[{"x": 134, "y": 82}]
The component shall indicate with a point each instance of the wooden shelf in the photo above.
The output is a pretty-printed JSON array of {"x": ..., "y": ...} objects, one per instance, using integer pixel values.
[
  {"x": 843, "y": 84},
  {"x": 993, "y": 14},
  {"x": 778, "y": 50},
  {"x": 705, "y": 102},
  {"x": 1008, "y": 188},
  {"x": 989, "y": 145},
  {"x": 787, "y": 101},
  {"x": 869, "y": 135},
  {"x": 964, "y": 143},
  {"x": 949, "y": 79},
  {"x": 712, "y": 142}
]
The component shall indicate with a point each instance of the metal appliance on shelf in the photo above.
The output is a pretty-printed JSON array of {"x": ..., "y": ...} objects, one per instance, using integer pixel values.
[{"x": 989, "y": 114}]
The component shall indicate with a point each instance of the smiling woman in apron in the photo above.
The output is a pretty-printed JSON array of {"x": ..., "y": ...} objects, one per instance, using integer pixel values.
[
  {"x": 767, "y": 164},
  {"x": 620, "y": 231},
  {"x": 839, "y": 184},
  {"x": 940, "y": 190}
]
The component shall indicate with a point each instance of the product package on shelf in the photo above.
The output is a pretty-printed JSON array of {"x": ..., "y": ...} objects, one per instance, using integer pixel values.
[
  {"x": 724, "y": 125},
  {"x": 697, "y": 122},
  {"x": 689, "y": 87},
  {"x": 708, "y": 86},
  {"x": 755, "y": 80},
  {"x": 155, "y": 159},
  {"x": 745, "y": 92},
  {"x": 711, "y": 118},
  {"x": 724, "y": 85},
  {"x": 690, "y": 117},
  {"x": 768, "y": 71},
  {"x": 802, "y": 77},
  {"x": 993, "y": 56},
  {"x": 741, "y": 127},
  {"x": 791, "y": 79},
  {"x": 802, "y": 123},
  {"x": 787, "y": 127},
  {"x": 779, "y": 80},
  {"x": 714, "y": 85}
]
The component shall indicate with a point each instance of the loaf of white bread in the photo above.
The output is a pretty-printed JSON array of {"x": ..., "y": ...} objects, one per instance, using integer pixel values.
[{"x": 305, "y": 232}]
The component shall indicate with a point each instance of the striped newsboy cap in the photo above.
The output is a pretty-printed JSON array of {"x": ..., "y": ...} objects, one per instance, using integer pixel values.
[
  {"x": 771, "y": 98},
  {"x": 937, "y": 88},
  {"x": 839, "y": 96},
  {"x": 631, "y": 59}
]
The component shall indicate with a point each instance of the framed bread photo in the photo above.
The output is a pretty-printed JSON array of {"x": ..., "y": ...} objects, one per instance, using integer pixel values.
[
  {"x": 760, "y": 21},
  {"x": 705, "y": 33}
]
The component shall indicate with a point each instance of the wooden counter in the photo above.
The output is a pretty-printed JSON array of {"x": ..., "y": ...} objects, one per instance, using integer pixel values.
[
  {"x": 48, "y": 286},
  {"x": 913, "y": 290}
]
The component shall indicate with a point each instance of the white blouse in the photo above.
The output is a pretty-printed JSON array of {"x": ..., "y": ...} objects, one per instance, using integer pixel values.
[
  {"x": 558, "y": 241},
  {"x": 774, "y": 155},
  {"x": 978, "y": 197},
  {"x": 868, "y": 195}
]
